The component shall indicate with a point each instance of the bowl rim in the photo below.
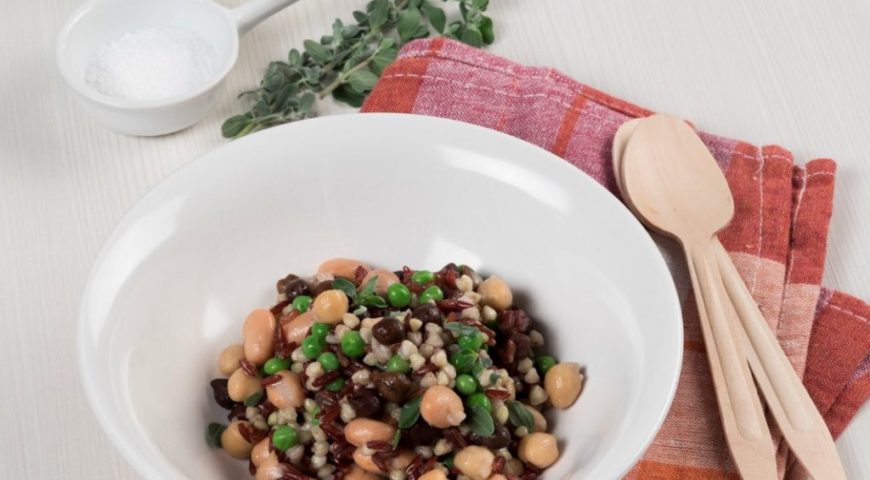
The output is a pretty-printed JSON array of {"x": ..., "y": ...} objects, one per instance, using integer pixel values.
[
  {"x": 81, "y": 88},
  {"x": 151, "y": 470}
]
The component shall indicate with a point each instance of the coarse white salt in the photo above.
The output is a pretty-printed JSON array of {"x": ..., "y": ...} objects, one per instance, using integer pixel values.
[{"x": 152, "y": 64}]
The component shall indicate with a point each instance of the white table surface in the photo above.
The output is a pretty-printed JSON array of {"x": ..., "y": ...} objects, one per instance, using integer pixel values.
[{"x": 793, "y": 73}]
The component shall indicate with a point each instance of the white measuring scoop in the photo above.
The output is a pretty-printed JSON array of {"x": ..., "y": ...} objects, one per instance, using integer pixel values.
[{"x": 100, "y": 21}]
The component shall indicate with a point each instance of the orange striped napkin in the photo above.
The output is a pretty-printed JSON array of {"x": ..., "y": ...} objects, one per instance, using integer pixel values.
[{"x": 777, "y": 238}]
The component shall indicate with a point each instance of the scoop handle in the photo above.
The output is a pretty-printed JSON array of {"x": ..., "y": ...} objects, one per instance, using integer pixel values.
[
  {"x": 253, "y": 12},
  {"x": 740, "y": 407},
  {"x": 788, "y": 400}
]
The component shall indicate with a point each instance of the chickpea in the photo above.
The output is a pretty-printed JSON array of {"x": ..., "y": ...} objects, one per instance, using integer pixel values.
[
  {"x": 540, "y": 421},
  {"x": 228, "y": 362},
  {"x": 363, "y": 430},
  {"x": 295, "y": 330},
  {"x": 330, "y": 306},
  {"x": 261, "y": 453},
  {"x": 441, "y": 407},
  {"x": 234, "y": 443},
  {"x": 259, "y": 333},
  {"x": 474, "y": 462},
  {"x": 241, "y": 385},
  {"x": 539, "y": 449},
  {"x": 436, "y": 474},
  {"x": 497, "y": 476},
  {"x": 563, "y": 383},
  {"x": 495, "y": 293},
  {"x": 357, "y": 473},
  {"x": 342, "y": 267},
  {"x": 271, "y": 469},
  {"x": 385, "y": 279},
  {"x": 288, "y": 392}
]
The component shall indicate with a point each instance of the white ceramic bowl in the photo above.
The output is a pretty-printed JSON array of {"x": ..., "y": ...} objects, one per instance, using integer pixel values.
[{"x": 178, "y": 275}]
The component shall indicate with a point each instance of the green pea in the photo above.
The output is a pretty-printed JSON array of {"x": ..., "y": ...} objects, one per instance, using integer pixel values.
[
  {"x": 301, "y": 303},
  {"x": 398, "y": 364},
  {"x": 463, "y": 360},
  {"x": 544, "y": 363},
  {"x": 432, "y": 293},
  {"x": 466, "y": 384},
  {"x": 284, "y": 438},
  {"x": 328, "y": 361},
  {"x": 478, "y": 400},
  {"x": 320, "y": 330},
  {"x": 352, "y": 344},
  {"x": 312, "y": 346},
  {"x": 335, "y": 385},
  {"x": 398, "y": 295},
  {"x": 422, "y": 276},
  {"x": 275, "y": 365},
  {"x": 471, "y": 342}
]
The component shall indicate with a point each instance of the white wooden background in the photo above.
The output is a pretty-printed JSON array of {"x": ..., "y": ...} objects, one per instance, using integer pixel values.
[{"x": 794, "y": 73}]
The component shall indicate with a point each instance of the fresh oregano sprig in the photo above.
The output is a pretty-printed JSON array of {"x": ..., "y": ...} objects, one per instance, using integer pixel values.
[{"x": 348, "y": 63}]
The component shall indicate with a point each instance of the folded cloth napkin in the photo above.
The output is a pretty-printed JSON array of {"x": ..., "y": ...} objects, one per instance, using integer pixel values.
[{"x": 777, "y": 238}]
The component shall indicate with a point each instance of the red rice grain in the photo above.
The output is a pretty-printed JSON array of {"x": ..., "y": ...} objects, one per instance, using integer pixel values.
[
  {"x": 379, "y": 445},
  {"x": 497, "y": 394},
  {"x": 248, "y": 367}
]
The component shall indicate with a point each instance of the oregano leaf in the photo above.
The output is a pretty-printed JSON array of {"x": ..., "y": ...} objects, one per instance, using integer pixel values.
[
  {"x": 519, "y": 415},
  {"x": 213, "y": 434},
  {"x": 410, "y": 413},
  {"x": 345, "y": 286},
  {"x": 480, "y": 422},
  {"x": 347, "y": 61},
  {"x": 436, "y": 16},
  {"x": 362, "y": 80}
]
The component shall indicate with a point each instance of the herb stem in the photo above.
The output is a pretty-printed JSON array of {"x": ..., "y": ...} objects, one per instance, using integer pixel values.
[
  {"x": 347, "y": 63},
  {"x": 344, "y": 75}
]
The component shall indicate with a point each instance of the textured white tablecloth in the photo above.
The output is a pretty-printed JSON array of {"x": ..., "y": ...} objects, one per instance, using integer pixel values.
[{"x": 793, "y": 73}]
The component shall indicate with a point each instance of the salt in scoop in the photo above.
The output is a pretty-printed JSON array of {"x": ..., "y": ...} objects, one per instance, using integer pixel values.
[{"x": 99, "y": 22}]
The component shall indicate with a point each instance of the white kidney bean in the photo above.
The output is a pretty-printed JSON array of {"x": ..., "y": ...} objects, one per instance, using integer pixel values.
[
  {"x": 241, "y": 385},
  {"x": 270, "y": 469},
  {"x": 287, "y": 393},
  {"x": 259, "y": 333},
  {"x": 341, "y": 267},
  {"x": 234, "y": 443},
  {"x": 295, "y": 330},
  {"x": 385, "y": 279},
  {"x": 228, "y": 361},
  {"x": 363, "y": 430},
  {"x": 260, "y": 453}
]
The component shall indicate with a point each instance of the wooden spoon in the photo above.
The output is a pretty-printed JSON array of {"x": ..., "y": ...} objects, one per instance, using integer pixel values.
[
  {"x": 792, "y": 407},
  {"x": 676, "y": 188}
]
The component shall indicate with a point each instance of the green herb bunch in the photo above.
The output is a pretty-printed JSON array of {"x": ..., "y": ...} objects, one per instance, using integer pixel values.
[{"x": 347, "y": 63}]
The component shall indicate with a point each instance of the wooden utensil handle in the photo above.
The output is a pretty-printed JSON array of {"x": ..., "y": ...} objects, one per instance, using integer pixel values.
[
  {"x": 788, "y": 400},
  {"x": 739, "y": 405}
]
